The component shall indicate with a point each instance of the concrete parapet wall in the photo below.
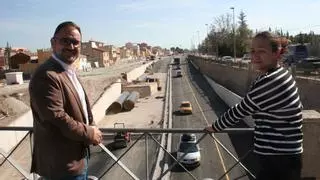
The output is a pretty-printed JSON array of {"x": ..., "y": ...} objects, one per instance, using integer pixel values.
[
  {"x": 137, "y": 72},
  {"x": 311, "y": 144},
  {"x": 238, "y": 80},
  {"x": 145, "y": 89}
]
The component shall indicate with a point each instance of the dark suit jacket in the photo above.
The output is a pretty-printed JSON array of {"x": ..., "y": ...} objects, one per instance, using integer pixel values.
[{"x": 61, "y": 137}]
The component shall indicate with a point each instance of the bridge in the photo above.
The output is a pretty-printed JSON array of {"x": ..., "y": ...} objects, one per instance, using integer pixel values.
[{"x": 152, "y": 152}]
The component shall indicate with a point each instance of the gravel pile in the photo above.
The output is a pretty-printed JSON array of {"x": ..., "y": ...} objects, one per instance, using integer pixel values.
[{"x": 12, "y": 106}]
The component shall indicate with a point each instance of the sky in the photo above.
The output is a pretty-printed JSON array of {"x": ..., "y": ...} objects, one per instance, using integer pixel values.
[{"x": 167, "y": 23}]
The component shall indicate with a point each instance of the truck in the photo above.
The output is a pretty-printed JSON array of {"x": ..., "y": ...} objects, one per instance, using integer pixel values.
[
  {"x": 176, "y": 61},
  {"x": 296, "y": 54}
]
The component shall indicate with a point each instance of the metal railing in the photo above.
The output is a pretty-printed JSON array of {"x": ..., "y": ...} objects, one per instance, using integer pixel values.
[{"x": 141, "y": 133}]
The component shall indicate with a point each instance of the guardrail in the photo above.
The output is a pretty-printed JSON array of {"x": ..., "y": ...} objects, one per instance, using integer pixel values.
[{"x": 143, "y": 133}]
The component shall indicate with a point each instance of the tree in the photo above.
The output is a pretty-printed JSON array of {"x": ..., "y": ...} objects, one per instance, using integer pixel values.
[
  {"x": 244, "y": 35},
  {"x": 287, "y": 35},
  {"x": 7, "y": 53}
]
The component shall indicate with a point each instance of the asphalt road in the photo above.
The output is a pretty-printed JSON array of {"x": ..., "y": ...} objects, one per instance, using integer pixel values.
[
  {"x": 206, "y": 107},
  {"x": 135, "y": 159}
]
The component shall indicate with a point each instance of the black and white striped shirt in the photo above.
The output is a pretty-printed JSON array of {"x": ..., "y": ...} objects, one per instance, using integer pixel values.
[{"x": 275, "y": 106}]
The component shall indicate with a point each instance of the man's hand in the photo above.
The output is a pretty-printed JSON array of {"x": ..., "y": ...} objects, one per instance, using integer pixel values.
[
  {"x": 97, "y": 136},
  {"x": 209, "y": 129}
]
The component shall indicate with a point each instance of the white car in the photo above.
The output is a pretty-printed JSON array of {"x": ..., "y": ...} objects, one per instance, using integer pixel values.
[
  {"x": 246, "y": 58},
  {"x": 179, "y": 74},
  {"x": 188, "y": 138},
  {"x": 227, "y": 58},
  {"x": 189, "y": 147}
]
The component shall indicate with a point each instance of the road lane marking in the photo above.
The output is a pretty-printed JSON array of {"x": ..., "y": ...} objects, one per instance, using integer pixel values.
[{"x": 216, "y": 144}]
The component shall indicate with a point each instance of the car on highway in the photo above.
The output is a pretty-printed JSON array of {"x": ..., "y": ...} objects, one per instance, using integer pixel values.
[
  {"x": 178, "y": 73},
  {"x": 176, "y": 61},
  {"x": 246, "y": 58},
  {"x": 185, "y": 107},
  {"x": 188, "y": 153},
  {"x": 227, "y": 59},
  {"x": 188, "y": 138},
  {"x": 121, "y": 139}
]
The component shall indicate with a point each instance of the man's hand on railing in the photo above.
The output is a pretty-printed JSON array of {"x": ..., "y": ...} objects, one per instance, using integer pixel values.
[
  {"x": 209, "y": 129},
  {"x": 97, "y": 136}
]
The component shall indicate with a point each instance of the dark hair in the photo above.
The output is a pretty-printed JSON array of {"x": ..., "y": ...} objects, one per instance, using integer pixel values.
[
  {"x": 273, "y": 39},
  {"x": 66, "y": 24},
  {"x": 278, "y": 44}
]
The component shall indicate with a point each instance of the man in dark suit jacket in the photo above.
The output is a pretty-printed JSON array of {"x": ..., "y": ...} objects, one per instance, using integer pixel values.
[{"x": 63, "y": 121}]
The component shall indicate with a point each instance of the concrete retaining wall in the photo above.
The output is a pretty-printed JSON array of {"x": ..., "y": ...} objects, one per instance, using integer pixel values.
[
  {"x": 144, "y": 89},
  {"x": 137, "y": 72},
  {"x": 238, "y": 80},
  {"x": 229, "y": 97},
  {"x": 108, "y": 97}
]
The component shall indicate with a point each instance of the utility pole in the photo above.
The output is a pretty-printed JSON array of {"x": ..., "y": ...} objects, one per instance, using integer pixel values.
[
  {"x": 234, "y": 36},
  {"x": 198, "y": 42},
  {"x": 207, "y": 44}
]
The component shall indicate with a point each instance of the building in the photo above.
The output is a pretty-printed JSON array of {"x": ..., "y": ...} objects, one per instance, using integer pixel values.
[
  {"x": 35, "y": 60},
  {"x": 43, "y": 55},
  {"x": 136, "y": 52},
  {"x": 126, "y": 53},
  {"x": 2, "y": 62},
  {"x": 100, "y": 56},
  {"x": 114, "y": 53},
  {"x": 96, "y": 53},
  {"x": 17, "y": 59},
  {"x": 82, "y": 63}
]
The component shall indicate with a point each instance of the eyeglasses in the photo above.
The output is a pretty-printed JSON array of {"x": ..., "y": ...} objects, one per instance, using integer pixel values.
[{"x": 68, "y": 41}]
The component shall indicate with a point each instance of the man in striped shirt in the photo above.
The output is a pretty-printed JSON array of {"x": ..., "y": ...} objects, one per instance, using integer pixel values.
[{"x": 274, "y": 103}]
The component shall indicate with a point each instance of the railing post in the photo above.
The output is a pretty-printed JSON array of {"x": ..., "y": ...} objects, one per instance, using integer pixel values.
[{"x": 147, "y": 160}]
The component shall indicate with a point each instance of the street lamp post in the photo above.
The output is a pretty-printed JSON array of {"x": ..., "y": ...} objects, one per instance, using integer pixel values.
[
  {"x": 198, "y": 42},
  {"x": 207, "y": 44},
  {"x": 234, "y": 36}
]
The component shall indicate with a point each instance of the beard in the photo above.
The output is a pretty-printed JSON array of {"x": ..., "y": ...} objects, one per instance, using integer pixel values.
[{"x": 68, "y": 56}]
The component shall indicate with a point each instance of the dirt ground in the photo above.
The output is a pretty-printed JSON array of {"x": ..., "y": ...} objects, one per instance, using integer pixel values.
[{"x": 15, "y": 100}]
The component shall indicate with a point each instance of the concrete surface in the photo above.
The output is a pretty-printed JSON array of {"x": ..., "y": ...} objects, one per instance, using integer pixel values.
[{"x": 146, "y": 110}]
